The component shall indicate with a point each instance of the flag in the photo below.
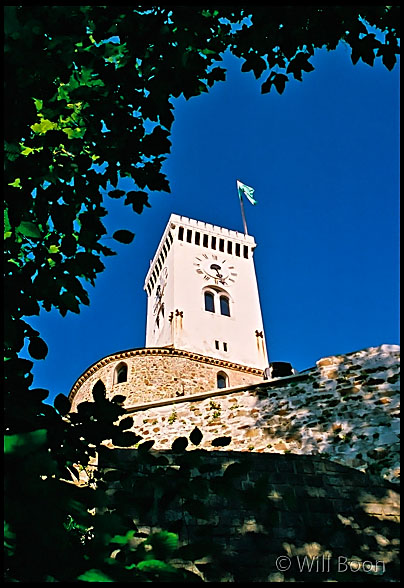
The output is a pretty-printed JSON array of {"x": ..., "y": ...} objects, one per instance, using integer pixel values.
[{"x": 247, "y": 191}]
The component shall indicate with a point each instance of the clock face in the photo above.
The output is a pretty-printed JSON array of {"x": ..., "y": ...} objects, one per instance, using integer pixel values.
[{"x": 215, "y": 269}]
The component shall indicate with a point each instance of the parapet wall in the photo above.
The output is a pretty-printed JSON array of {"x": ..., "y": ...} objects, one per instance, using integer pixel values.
[
  {"x": 271, "y": 518},
  {"x": 346, "y": 409}
]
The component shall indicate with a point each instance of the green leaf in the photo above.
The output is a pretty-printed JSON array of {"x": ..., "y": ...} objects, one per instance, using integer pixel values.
[
  {"x": 76, "y": 133},
  {"x": 163, "y": 543},
  {"x": 62, "y": 404},
  {"x": 118, "y": 399},
  {"x": 16, "y": 183},
  {"x": 155, "y": 565},
  {"x": 138, "y": 200},
  {"x": 44, "y": 126},
  {"x": 40, "y": 393},
  {"x": 116, "y": 193},
  {"x": 255, "y": 63},
  {"x": 126, "y": 423},
  {"x": 221, "y": 441},
  {"x": 29, "y": 230},
  {"x": 7, "y": 226},
  {"x": 196, "y": 436},
  {"x": 38, "y": 104},
  {"x": 70, "y": 302},
  {"x": 37, "y": 348},
  {"x": 24, "y": 443},
  {"x": 123, "y": 539},
  {"x": 94, "y": 575},
  {"x": 179, "y": 444},
  {"x": 218, "y": 74},
  {"x": 279, "y": 82},
  {"x": 123, "y": 236},
  {"x": 126, "y": 439},
  {"x": 146, "y": 446}
]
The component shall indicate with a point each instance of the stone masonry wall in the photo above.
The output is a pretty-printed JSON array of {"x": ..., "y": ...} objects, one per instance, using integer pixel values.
[
  {"x": 285, "y": 518},
  {"x": 153, "y": 376},
  {"x": 345, "y": 409}
]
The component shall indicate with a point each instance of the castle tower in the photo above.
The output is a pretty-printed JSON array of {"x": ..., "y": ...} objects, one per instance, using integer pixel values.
[{"x": 203, "y": 294}]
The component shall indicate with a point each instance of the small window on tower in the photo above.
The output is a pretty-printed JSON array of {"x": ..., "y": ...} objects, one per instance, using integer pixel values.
[
  {"x": 238, "y": 249},
  {"x": 209, "y": 302},
  {"x": 189, "y": 236},
  {"x": 221, "y": 244},
  {"x": 246, "y": 251},
  {"x": 217, "y": 344},
  {"x": 224, "y": 346},
  {"x": 213, "y": 244},
  {"x": 181, "y": 233},
  {"x": 224, "y": 306},
  {"x": 197, "y": 238},
  {"x": 205, "y": 241},
  {"x": 229, "y": 247}
]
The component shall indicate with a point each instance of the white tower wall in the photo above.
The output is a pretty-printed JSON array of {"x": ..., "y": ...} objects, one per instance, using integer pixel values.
[{"x": 181, "y": 272}]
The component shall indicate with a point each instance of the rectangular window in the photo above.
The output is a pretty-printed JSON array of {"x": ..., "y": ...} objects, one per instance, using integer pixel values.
[
  {"x": 229, "y": 247},
  {"x": 213, "y": 243},
  {"x": 246, "y": 251},
  {"x": 189, "y": 236},
  {"x": 224, "y": 346},
  {"x": 181, "y": 233},
  {"x": 217, "y": 344},
  {"x": 197, "y": 238},
  {"x": 221, "y": 244},
  {"x": 205, "y": 241},
  {"x": 238, "y": 249}
]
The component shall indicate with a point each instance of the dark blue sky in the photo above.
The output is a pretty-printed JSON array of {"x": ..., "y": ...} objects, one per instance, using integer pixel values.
[{"x": 324, "y": 161}]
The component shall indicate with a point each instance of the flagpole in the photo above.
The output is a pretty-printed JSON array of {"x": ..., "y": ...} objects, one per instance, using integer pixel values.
[{"x": 243, "y": 215}]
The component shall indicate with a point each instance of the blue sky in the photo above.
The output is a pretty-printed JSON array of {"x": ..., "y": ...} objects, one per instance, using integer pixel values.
[{"x": 323, "y": 159}]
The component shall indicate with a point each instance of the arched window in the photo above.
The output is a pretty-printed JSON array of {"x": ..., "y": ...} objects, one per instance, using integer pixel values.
[
  {"x": 224, "y": 305},
  {"x": 222, "y": 380},
  {"x": 209, "y": 302},
  {"x": 121, "y": 373}
]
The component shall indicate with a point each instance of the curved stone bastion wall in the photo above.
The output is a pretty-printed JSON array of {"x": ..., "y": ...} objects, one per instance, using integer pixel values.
[
  {"x": 155, "y": 373},
  {"x": 345, "y": 409}
]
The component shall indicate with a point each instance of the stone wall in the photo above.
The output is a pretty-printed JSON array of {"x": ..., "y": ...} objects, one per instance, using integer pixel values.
[
  {"x": 280, "y": 518},
  {"x": 345, "y": 409},
  {"x": 158, "y": 373}
]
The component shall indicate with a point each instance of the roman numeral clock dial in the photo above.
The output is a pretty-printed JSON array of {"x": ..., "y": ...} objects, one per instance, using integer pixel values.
[{"x": 215, "y": 269}]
